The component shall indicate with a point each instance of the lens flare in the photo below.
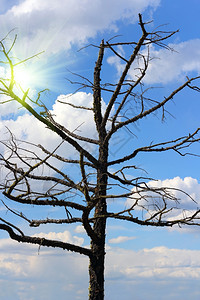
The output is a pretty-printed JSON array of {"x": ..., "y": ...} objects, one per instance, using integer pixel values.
[{"x": 24, "y": 77}]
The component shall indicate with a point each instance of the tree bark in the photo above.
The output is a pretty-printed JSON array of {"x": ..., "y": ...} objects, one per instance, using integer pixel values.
[{"x": 96, "y": 267}]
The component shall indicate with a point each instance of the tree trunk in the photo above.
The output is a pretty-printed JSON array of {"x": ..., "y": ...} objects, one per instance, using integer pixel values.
[{"x": 96, "y": 267}]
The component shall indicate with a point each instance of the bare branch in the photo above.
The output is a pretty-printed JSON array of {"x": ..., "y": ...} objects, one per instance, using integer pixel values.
[
  {"x": 52, "y": 202},
  {"x": 45, "y": 242},
  {"x": 37, "y": 176},
  {"x": 71, "y": 161},
  {"x": 124, "y": 73},
  {"x": 36, "y": 223},
  {"x": 97, "y": 89},
  {"x": 175, "y": 145},
  {"x": 149, "y": 111},
  {"x": 184, "y": 221},
  {"x": 76, "y": 106}
]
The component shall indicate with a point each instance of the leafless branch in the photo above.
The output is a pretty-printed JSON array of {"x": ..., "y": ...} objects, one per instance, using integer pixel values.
[
  {"x": 89, "y": 182},
  {"x": 45, "y": 242}
]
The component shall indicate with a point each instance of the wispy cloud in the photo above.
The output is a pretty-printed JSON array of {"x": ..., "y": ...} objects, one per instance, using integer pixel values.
[
  {"x": 79, "y": 229},
  {"x": 186, "y": 190},
  {"x": 184, "y": 201},
  {"x": 53, "y": 273},
  {"x": 121, "y": 239},
  {"x": 55, "y": 25},
  {"x": 158, "y": 262},
  {"x": 65, "y": 237},
  {"x": 49, "y": 275},
  {"x": 28, "y": 128},
  {"x": 166, "y": 66}
]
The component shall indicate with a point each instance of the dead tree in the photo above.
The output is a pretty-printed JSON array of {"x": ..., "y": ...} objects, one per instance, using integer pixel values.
[{"x": 85, "y": 200}]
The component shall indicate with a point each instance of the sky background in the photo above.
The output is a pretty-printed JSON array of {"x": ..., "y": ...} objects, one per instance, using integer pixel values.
[{"x": 141, "y": 263}]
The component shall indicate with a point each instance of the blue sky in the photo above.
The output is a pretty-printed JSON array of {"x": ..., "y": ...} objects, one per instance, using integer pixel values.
[{"x": 141, "y": 263}]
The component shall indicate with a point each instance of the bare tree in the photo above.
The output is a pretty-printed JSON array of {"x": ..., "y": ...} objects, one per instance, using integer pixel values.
[{"x": 85, "y": 200}]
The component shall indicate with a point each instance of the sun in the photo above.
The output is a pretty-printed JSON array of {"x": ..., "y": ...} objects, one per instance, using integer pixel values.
[{"x": 24, "y": 77}]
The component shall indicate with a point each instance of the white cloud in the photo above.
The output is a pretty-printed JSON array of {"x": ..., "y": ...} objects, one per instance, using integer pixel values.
[
  {"x": 31, "y": 129},
  {"x": 183, "y": 201},
  {"x": 189, "y": 185},
  {"x": 59, "y": 274},
  {"x": 8, "y": 108},
  {"x": 55, "y": 25},
  {"x": 28, "y": 129},
  {"x": 65, "y": 237},
  {"x": 77, "y": 120},
  {"x": 159, "y": 262},
  {"x": 186, "y": 190},
  {"x": 51, "y": 274},
  {"x": 166, "y": 66},
  {"x": 121, "y": 239},
  {"x": 79, "y": 229}
]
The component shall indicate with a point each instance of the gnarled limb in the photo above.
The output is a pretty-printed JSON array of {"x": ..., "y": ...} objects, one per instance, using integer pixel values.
[{"x": 45, "y": 242}]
